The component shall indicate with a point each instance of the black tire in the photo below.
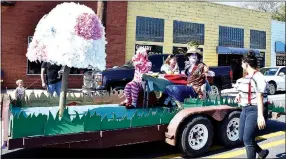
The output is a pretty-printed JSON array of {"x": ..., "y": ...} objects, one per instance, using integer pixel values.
[
  {"x": 231, "y": 139},
  {"x": 185, "y": 147},
  {"x": 272, "y": 85}
]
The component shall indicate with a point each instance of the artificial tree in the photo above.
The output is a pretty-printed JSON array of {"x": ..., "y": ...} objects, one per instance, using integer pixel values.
[{"x": 70, "y": 35}]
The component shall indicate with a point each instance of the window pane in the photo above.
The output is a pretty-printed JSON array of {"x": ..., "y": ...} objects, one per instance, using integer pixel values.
[
  {"x": 231, "y": 37},
  {"x": 34, "y": 67},
  {"x": 184, "y": 32},
  {"x": 149, "y": 29},
  {"x": 257, "y": 39}
]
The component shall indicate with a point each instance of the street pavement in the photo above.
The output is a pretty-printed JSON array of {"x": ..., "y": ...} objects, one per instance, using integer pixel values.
[{"x": 272, "y": 138}]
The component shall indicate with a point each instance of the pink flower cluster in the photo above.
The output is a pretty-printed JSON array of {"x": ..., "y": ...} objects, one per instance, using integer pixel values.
[{"x": 88, "y": 27}]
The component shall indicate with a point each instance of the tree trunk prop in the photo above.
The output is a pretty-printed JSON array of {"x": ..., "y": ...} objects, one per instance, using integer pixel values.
[{"x": 63, "y": 95}]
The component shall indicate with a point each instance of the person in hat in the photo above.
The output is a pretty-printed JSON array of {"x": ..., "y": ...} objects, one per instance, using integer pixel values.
[
  {"x": 196, "y": 72},
  {"x": 170, "y": 65}
]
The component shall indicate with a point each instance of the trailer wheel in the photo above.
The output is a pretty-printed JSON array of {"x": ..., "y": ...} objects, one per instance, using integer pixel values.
[
  {"x": 228, "y": 130},
  {"x": 196, "y": 137}
]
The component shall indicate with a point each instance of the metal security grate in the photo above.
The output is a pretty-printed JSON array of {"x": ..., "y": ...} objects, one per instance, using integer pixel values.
[
  {"x": 149, "y": 29},
  {"x": 184, "y": 32},
  {"x": 231, "y": 37},
  {"x": 257, "y": 39}
]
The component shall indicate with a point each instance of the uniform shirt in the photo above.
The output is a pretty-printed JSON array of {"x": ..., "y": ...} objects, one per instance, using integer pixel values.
[{"x": 258, "y": 85}]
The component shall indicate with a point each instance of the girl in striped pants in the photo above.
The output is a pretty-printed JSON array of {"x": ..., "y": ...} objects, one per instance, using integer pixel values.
[{"x": 142, "y": 65}]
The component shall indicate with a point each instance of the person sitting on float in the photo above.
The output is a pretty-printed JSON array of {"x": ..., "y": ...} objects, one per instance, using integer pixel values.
[
  {"x": 196, "y": 72},
  {"x": 170, "y": 65},
  {"x": 131, "y": 91}
]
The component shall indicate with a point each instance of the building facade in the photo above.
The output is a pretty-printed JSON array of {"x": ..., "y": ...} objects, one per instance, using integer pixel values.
[
  {"x": 162, "y": 27},
  {"x": 278, "y": 47},
  {"x": 173, "y": 24}
]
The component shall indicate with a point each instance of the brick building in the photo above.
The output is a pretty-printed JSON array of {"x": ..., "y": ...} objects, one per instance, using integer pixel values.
[
  {"x": 19, "y": 22},
  {"x": 160, "y": 26}
]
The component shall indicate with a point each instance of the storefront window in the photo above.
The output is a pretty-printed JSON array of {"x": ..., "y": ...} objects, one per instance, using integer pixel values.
[
  {"x": 176, "y": 50},
  {"x": 231, "y": 37},
  {"x": 257, "y": 39},
  {"x": 184, "y": 32},
  {"x": 261, "y": 59},
  {"x": 34, "y": 68},
  {"x": 149, "y": 29}
]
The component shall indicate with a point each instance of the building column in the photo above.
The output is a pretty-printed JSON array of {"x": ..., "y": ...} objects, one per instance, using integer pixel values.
[{"x": 168, "y": 37}]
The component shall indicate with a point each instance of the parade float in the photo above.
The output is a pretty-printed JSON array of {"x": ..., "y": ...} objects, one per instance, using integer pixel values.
[{"x": 72, "y": 36}]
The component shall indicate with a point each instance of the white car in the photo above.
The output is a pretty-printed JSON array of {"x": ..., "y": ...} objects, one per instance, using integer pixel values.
[{"x": 275, "y": 76}]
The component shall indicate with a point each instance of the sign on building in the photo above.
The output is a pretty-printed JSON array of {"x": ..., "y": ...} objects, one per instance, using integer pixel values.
[
  {"x": 260, "y": 59},
  {"x": 152, "y": 49},
  {"x": 280, "y": 59}
]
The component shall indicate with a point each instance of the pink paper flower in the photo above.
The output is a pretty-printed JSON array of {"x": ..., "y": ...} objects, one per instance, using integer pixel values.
[{"x": 88, "y": 27}]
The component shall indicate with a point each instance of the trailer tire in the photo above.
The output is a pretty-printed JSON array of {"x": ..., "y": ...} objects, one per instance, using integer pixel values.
[
  {"x": 228, "y": 130},
  {"x": 196, "y": 136}
]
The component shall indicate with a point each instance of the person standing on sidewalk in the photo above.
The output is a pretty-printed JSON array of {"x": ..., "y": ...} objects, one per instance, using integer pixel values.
[
  {"x": 53, "y": 80},
  {"x": 252, "y": 97}
]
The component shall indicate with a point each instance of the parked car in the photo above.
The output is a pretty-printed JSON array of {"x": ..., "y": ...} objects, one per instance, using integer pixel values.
[
  {"x": 275, "y": 76},
  {"x": 118, "y": 76}
]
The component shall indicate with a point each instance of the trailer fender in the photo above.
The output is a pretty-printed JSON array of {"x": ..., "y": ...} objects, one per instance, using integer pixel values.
[{"x": 215, "y": 112}]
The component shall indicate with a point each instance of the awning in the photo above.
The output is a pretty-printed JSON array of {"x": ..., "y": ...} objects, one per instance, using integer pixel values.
[
  {"x": 280, "y": 47},
  {"x": 233, "y": 50}
]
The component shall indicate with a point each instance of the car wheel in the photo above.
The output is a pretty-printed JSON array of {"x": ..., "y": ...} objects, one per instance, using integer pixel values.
[
  {"x": 272, "y": 88},
  {"x": 228, "y": 130},
  {"x": 196, "y": 137}
]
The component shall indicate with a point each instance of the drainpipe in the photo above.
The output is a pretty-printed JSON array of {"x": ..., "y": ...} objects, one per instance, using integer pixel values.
[{"x": 101, "y": 11}]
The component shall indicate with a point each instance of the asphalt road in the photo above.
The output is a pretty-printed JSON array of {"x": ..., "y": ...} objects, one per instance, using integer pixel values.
[{"x": 272, "y": 138}]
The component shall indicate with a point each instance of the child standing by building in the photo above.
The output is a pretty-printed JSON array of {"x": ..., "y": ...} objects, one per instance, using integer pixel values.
[{"x": 20, "y": 90}]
